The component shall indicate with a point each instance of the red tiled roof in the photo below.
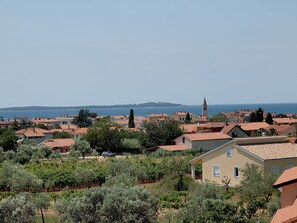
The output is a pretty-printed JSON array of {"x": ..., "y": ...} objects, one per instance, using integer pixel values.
[
  {"x": 286, "y": 177},
  {"x": 286, "y": 215},
  {"x": 175, "y": 148},
  {"x": 207, "y": 136},
  {"x": 285, "y": 120},
  {"x": 58, "y": 143},
  {"x": 253, "y": 126}
]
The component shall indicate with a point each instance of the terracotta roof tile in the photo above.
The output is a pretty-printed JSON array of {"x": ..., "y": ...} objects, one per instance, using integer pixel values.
[
  {"x": 286, "y": 176},
  {"x": 284, "y": 120},
  {"x": 250, "y": 126},
  {"x": 286, "y": 215},
  {"x": 273, "y": 151},
  {"x": 175, "y": 147},
  {"x": 54, "y": 143},
  {"x": 207, "y": 136}
]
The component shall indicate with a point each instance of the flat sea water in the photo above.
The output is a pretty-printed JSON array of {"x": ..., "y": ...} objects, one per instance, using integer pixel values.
[{"x": 285, "y": 108}]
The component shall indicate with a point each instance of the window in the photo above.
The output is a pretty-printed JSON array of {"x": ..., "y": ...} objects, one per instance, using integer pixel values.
[
  {"x": 236, "y": 172},
  {"x": 184, "y": 140},
  {"x": 276, "y": 170},
  {"x": 234, "y": 134},
  {"x": 229, "y": 152},
  {"x": 216, "y": 171}
]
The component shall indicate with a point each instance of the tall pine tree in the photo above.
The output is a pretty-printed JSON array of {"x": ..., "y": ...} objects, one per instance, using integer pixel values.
[
  {"x": 269, "y": 119},
  {"x": 131, "y": 123}
]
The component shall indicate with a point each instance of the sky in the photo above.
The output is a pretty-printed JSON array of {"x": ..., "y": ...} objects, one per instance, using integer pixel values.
[{"x": 105, "y": 52}]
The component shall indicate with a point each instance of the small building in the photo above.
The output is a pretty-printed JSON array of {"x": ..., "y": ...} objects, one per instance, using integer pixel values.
[
  {"x": 36, "y": 134},
  {"x": 65, "y": 119},
  {"x": 287, "y": 130},
  {"x": 180, "y": 116},
  {"x": 287, "y": 184},
  {"x": 227, "y": 160},
  {"x": 77, "y": 134},
  {"x": 284, "y": 121},
  {"x": 203, "y": 141},
  {"x": 50, "y": 123},
  {"x": 234, "y": 131},
  {"x": 61, "y": 145},
  {"x": 252, "y": 128}
]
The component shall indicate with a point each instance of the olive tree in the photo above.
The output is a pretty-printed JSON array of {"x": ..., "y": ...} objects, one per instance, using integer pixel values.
[{"x": 115, "y": 204}]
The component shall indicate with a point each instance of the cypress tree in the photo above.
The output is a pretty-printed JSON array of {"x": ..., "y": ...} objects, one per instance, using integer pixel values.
[
  {"x": 188, "y": 118},
  {"x": 269, "y": 119},
  {"x": 253, "y": 117},
  {"x": 131, "y": 123},
  {"x": 259, "y": 115}
]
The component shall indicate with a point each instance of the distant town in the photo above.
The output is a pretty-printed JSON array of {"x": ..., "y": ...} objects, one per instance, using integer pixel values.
[{"x": 222, "y": 151}]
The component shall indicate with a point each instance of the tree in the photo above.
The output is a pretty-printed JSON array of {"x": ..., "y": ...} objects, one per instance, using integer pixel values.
[
  {"x": 42, "y": 202},
  {"x": 158, "y": 133},
  {"x": 16, "y": 178},
  {"x": 188, "y": 118},
  {"x": 46, "y": 151},
  {"x": 82, "y": 119},
  {"x": 253, "y": 117},
  {"x": 269, "y": 119},
  {"x": 84, "y": 176},
  {"x": 208, "y": 204},
  {"x": 18, "y": 209},
  {"x": 62, "y": 135},
  {"x": 105, "y": 135},
  {"x": 131, "y": 123},
  {"x": 83, "y": 147},
  {"x": 115, "y": 204},
  {"x": 176, "y": 170},
  {"x": 255, "y": 186},
  {"x": 8, "y": 141},
  {"x": 259, "y": 115}
]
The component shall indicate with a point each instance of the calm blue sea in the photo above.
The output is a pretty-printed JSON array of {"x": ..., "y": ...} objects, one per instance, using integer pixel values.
[{"x": 290, "y": 108}]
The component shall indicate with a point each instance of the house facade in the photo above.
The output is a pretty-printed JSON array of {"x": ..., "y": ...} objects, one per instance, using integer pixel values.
[
  {"x": 203, "y": 141},
  {"x": 229, "y": 159}
]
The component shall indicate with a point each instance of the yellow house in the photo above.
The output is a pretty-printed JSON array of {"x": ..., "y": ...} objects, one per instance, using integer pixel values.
[{"x": 228, "y": 160}]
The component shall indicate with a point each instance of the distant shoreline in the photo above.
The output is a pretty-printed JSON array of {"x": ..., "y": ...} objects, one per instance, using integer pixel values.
[{"x": 142, "y": 105}]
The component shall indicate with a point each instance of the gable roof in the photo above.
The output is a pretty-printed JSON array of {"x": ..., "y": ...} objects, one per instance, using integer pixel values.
[
  {"x": 230, "y": 127},
  {"x": 188, "y": 128},
  {"x": 286, "y": 215},
  {"x": 273, "y": 151},
  {"x": 211, "y": 151},
  {"x": 174, "y": 147},
  {"x": 287, "y": 177},
  {"x": 32, "y": 132},
  {"x": 206, "y": 136},
  {"x": 58, "y": 143},
  {"x": 284, "y": 120},
  {"x": 253, "y": 126}
]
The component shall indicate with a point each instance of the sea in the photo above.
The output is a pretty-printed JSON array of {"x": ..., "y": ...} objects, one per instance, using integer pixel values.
[{"x": 284, "y": 108}]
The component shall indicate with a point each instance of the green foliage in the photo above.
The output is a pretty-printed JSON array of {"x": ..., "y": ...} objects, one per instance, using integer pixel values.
[
  {"x": 8, "y": 141},
  {"x": 208, "y": 204},
  {"x": 82, "y": 119},
  {"x": 84, "y": 176},
  {"x": 269, "y": 119},
  {"x": 188, "y": 118},
  {"x": 18, "y": 209},
  {"x": 253, "y": 117},
  {"x": 106, "y": 205},
  {"x": 273, "y": 206},
  {"x": 172, "y": 200},
  {"x": 122, "y": 179},
  {"x": 255, "y": 189},
  {"x": 259, "y": 115},
  {"x": 55, "y": 155},
  {"x": 46, "y": 151},
  {"x": 131, "y": 123},
  {"x": 16, "y": 178},
  {"x": 83, "y": 147},
  {"x": 217, "y": 118},
  {"x": 62, "y": 135},
  {"x": 105, "y": 135},
  {"x": 42, "y": 202},
  {"x": 176, "y": 169},
  {"x": 160, "y": 133}
]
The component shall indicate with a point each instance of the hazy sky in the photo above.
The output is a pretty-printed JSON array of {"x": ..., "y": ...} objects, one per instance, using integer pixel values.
[{"x": 71, "y": 52}]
